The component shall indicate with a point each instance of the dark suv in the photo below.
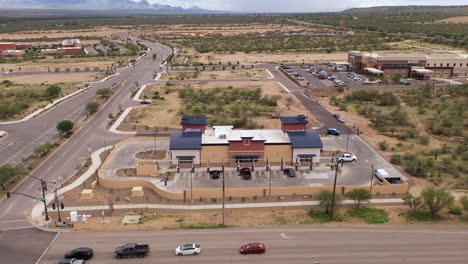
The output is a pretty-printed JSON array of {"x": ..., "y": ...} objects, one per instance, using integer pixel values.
[
  {"x": 290, "y": 172},
  {"x": 80, "y": 253},
  {"x": 245, "y": 173},
  {"x": 215, "y": 174}
]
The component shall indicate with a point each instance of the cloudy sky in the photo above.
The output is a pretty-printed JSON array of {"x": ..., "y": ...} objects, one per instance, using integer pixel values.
[{"x": 298, "y": 5}]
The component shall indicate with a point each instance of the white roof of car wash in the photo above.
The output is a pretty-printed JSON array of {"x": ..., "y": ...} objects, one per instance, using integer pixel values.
[{"x": 224, "y": 134}]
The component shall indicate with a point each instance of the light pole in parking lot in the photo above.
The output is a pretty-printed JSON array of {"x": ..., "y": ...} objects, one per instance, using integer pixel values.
[{"x": 347, "y": 141}]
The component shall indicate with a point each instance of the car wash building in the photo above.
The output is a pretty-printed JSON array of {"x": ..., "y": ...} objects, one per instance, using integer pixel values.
[{"x": 293, "y": 144}]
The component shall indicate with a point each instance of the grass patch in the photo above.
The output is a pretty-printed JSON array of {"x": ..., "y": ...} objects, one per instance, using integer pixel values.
[
  {"x": 370, "y": 215},
  {"x": 319, "y": 217},
  {"x": 419, "y": 217},
  {"x": 199, "y": 226}
]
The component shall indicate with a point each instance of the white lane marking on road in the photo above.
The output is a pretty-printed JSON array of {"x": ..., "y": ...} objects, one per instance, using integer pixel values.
[
  {"x": 284, "y": 87},
  {"x": 47, "y": 249},
  {"x": 283, "y": 235},
  {"x": 16, "y": 228},
  {"x": 15, "y": 221}
]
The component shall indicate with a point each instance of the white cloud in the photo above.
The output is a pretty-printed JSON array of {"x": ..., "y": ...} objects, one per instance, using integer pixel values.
[{"x": 298, "y": 5}]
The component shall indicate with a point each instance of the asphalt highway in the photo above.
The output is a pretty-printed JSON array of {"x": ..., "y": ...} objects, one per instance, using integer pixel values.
[
  {"x": 22, "y": 137},
  {"x": 288, "y": 244}
]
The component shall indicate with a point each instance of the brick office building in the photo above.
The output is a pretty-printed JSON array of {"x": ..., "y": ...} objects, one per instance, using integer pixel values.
[
  {"x": 293, "y": 143},
  {"x": 410, "y": 64}
]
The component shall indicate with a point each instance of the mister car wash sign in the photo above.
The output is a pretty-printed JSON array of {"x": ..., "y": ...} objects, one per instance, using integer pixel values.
[{"x": 193, "y": 130}]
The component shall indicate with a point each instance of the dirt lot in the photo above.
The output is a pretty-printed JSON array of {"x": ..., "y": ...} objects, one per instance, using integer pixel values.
[
  {"x": 165, "y": 113},
  {"x": 214, "y": 75},
  {"x": 54, "y": 78},
  {"x": 454, "y": 20},
  {"x": 415, "y": 45},
  {"x": 247, "y": 218},
  {"x": 253, "y": 58},
  {"x": 224, "y": 30},
  {"x": 94, "y": 32},
  {"x": 65, "y": 63}
]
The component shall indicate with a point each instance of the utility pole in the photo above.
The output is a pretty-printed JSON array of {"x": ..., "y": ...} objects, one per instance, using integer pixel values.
[
  {"x": 334, "y": 192},
  {"x": 371, "y": 179},
  {"x": 191, "y": 186},
  {"x": 224, "y": 197},
  {"x": 44, "y": 187},
  {"x": 57, "y": 203},
  {"x": 269, "y": 186}
]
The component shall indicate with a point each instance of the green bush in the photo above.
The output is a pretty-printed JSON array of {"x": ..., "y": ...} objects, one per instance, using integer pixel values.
[
  {"x": 395, "y": 159},
  {"x": 383, "y": 145},
  {"x": 456, "y": 210},
  {"x": 370, "y": 215}
]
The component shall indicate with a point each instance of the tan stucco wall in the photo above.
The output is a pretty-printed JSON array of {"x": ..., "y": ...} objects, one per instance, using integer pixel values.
[
  {"x": 276, "y": 152},
  {"x": 214, "y": 153}
]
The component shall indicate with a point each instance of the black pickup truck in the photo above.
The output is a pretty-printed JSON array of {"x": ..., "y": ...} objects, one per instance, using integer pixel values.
[{"x": 132, "y": 250}]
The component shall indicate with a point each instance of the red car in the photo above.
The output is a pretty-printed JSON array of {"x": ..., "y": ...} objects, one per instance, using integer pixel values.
[{"x": 253, "y": 248}]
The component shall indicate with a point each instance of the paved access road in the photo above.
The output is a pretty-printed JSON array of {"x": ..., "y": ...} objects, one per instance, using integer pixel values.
[{"x": 288, "y": 244}]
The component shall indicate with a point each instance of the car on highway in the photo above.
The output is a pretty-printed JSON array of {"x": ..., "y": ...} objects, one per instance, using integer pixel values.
[
  {"x": 72, "y": 261},
  {"x": 255, "y": 79},
  {"x": 188, "y": 249},
  {"x": 80, "y": 253},
  {"x": 215, "y": 174},
  {"x": 333, "y": 131},
  {"x": 132, "y": 250},
  {"x": 347, "y": 157},
  {"x": 245, "y": 173},
  {"x": 253, "y": 248},
  {"x": 146, "y": 102}
]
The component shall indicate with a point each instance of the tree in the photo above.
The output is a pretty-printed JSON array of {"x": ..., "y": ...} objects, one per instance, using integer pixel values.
[
  {"x": 436, "y": 200},
  {"x": 43, "y": 149},
  {"x": 359, "y": 196},
  {"x": 92, "y": 107},
  {"x": 414, "y": 203},
  {"x": 464, "y": 202},
  {"x": 103, "y": 92},
  {"x": 52, "y": 91},
  {"x": 325, "y": 199},
  {"x": 7, "y": 172},
  {"x": 65, "y": 127}
]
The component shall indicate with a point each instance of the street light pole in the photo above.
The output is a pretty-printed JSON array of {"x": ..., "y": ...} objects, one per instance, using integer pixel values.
[{"x": 371, "y": 179}]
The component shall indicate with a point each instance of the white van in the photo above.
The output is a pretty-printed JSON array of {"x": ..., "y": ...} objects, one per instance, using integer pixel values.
[{"x": 381, "y": 174}]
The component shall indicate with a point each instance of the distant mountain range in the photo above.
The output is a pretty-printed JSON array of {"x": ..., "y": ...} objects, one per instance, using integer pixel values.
[{"x": 124, "y": 5}]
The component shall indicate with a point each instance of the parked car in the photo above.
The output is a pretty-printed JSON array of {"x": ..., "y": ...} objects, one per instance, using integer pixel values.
[
  {"x": 80, "y": 253},
  {"x": 381, "y": 174},
  {"x": 188, "y": 249},
  {"x": 255, "y": 79},
  {"x": 253, "y": 248},
  {"x": 72, "y": 261},
  {"x": 322, "y": 77},
  {"x": 290, "y": 172},
  {"x": 405, "y": 82},
  {"x": 347, "y": 157},
  {"x": 146, "y": 102},
  {"x": 215, "y": 174},
  {"x": 333, "y": 131},
  {"x": 132, "y": 250},
  {"x": 245, "y": 173}
]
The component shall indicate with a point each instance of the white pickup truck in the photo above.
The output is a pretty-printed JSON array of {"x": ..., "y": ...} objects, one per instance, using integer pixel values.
[{"x": 347, "y": 158}]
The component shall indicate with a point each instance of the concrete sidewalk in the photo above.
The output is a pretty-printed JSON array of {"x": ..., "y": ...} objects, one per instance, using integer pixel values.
[{"x": 388, "y": 202}]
